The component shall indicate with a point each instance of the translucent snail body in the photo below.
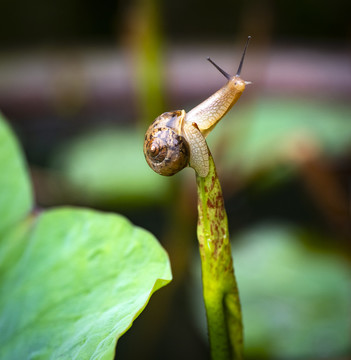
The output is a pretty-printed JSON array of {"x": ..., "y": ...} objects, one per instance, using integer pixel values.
[
  {"x": 177, "y": 139},
  {"x": 210, "y": 112}
]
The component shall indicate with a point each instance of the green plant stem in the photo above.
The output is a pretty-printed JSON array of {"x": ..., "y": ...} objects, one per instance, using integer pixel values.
[
  {"x": 146, "y": 30},
  {"x": 220, "y": 289}
]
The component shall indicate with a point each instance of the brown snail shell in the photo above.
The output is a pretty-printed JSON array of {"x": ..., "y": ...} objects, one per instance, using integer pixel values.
[{"x": 165, "y": 148}]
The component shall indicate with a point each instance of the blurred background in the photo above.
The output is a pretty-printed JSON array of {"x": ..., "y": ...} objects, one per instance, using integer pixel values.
[{"x": 80, "y": 82}]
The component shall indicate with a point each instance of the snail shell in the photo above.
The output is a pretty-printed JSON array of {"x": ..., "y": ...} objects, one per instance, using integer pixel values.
[
  {"x": 171, "y": 143},
  {"x": 165, "y": 148}
]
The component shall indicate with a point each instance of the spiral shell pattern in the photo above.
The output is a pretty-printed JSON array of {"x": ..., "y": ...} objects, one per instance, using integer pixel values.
[{"x": 165, "y": 149}]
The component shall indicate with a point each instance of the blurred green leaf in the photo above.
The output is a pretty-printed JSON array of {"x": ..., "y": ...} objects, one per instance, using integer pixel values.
[
  {"x": 295, "y": 300},
  {"x": 108, "y": 166},
  {"x": 266, "y": 133},
  {"x": 15, "y": 190},
  {"x": 79, "y": 281}
]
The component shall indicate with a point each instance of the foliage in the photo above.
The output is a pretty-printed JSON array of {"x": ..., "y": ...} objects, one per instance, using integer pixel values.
[
  {"x": 297, "y": 298},
  {"x": 72, "y": 280},
  {"x": 15, "y": 191}
]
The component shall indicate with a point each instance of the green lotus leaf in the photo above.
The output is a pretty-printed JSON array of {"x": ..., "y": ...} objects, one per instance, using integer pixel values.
[
  {"x": 15, "y": 189},
  {"x": 71, "y": 280},
  {"x": 79, "y": 280}
]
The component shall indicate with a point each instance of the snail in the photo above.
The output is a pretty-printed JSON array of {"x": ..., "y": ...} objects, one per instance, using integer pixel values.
[{"x": 176, "y": 139}]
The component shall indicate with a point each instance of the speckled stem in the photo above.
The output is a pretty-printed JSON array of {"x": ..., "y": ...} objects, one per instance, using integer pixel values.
[{"x": 220, "y": 289}]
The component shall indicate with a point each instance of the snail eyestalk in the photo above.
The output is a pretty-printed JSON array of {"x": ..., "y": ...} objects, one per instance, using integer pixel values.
[
  {"x": 243, "y": 57},
  {"x": 227, "y": 76}
]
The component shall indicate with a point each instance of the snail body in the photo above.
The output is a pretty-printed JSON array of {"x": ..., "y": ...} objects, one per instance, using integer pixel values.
[
  {"x": 211, "y": 111},
  {"x": 177, "y": 139}
]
